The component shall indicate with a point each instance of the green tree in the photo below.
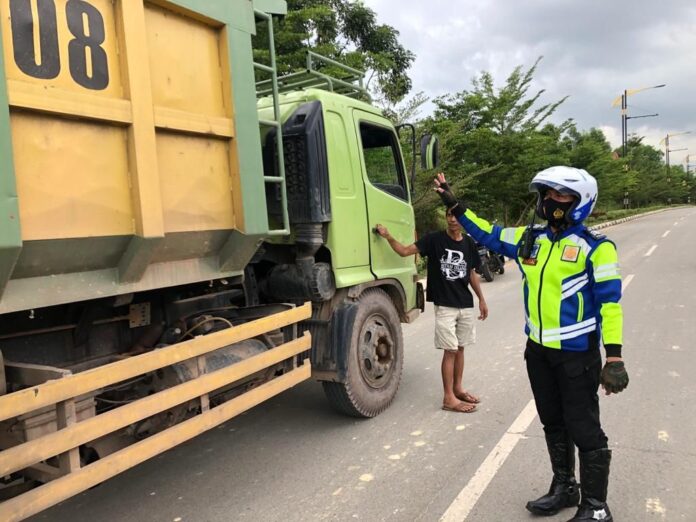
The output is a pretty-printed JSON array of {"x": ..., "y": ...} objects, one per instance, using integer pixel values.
[
  {"x": 590, "y": 150},
  {"x": 648, "y": 182},
  {"x": 346, "y": 31},
  {"x": 493, "y": 141},
  {"x": 406, "y": 111}
]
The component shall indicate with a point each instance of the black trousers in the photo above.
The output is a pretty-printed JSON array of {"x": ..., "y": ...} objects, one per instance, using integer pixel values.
[{"x": 565, "y": 387}]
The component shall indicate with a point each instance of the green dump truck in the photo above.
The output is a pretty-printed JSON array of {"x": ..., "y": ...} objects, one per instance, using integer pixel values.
[{"x": 179, "y": 240}]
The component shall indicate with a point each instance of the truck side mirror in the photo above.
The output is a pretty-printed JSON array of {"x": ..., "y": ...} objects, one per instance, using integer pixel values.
[{"x": 429, "y": 151}]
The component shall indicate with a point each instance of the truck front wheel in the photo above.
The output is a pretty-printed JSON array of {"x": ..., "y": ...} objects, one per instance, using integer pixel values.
[{"x": 374, "y": 358}]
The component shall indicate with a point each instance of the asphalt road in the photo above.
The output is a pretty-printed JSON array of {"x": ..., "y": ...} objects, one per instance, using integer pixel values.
[{"x": 293, "y": 459}]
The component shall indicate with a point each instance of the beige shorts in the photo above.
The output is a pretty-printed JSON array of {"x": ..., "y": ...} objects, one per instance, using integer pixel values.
[{"x": 454, "y": 327}]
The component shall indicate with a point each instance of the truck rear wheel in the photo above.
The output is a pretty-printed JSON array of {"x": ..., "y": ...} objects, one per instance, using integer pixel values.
[{"x": 374, "y": 359}]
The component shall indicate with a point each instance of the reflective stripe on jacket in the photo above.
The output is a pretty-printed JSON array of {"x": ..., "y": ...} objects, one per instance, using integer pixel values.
[{"x": 571, "y": 283}]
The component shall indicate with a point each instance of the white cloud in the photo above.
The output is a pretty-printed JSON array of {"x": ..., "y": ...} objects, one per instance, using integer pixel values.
[{"x": 593, "y": 50}]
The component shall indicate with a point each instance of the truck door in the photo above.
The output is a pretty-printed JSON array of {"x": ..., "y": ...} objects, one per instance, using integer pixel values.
[{"x": 387, "y": 197}]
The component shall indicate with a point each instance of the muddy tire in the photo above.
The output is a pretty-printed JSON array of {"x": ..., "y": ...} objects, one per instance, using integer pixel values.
[{"x": 375, "y": 358}]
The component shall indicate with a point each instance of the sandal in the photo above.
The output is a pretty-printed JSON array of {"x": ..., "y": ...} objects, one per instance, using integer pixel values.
[{"x": 467, "y": 397}]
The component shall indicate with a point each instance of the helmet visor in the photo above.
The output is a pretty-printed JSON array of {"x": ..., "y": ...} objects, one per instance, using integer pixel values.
[{"x": 543, "y": 186}]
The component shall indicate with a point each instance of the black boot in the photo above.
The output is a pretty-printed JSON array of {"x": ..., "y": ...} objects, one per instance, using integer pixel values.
[
  {"x": 594, "y": 480},
  {"x": 563, "y": 492}
]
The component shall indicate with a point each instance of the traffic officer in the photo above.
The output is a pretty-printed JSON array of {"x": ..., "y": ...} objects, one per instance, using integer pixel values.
[{"x": 572, "y": 289}]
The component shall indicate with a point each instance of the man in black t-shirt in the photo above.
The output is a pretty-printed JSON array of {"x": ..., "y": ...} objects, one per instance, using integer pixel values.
[{"x": 452, "y": 258}]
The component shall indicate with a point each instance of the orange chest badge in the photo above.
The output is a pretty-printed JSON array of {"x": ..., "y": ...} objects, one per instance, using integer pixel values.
[{"x": 570, "y": 253}]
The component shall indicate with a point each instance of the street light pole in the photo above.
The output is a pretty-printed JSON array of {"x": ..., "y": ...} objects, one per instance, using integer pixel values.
[
  {"x": 624, "y": 133},
  {"x": 625, "y": 127},
  {"x": 673, "y": 150},
  {"x": 668, "y": 150},
  {"x": 689, "y": 165},
  {"x": 624, "y": 113}
]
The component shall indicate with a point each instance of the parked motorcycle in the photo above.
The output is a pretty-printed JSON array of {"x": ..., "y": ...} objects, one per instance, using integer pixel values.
[{"x": 491, "y": 263}]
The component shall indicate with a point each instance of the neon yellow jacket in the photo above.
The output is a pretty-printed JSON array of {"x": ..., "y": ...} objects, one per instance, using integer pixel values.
[{"x": 571, "y": 283}]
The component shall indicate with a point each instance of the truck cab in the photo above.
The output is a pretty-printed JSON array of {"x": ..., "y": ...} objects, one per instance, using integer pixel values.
[
  {"x": 345, "y": 174},
  {"x": 359, "y": 181}
]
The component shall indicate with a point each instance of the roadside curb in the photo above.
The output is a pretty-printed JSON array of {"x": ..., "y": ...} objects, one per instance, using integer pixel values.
[{"x": 624, "y": 220}]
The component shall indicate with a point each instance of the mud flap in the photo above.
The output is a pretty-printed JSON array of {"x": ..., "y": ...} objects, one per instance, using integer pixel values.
[{"x": 342, "y": 324}]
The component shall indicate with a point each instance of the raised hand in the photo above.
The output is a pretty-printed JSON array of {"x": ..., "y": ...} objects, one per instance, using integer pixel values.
[
  {"x": 445, "y": 193},
  {"x": 441, "y": 182}
]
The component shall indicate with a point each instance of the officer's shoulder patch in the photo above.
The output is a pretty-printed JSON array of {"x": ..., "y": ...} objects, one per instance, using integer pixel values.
[
  {"x": 538, "y": 230},
  {"x": 594, "y": 234}
]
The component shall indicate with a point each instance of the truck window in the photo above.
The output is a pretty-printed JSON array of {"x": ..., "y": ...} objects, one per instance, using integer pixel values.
[{"x": 382, "y": 160}]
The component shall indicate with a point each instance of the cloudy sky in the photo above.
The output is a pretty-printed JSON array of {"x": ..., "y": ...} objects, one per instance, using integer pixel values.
[{"x": 592, "y": 49}]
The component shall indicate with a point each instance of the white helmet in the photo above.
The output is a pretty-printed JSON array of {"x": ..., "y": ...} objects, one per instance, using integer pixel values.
[{"x": 567, "y": 180}]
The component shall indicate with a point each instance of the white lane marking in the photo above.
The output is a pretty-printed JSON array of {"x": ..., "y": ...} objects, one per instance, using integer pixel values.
[
  {"x": 467, "y": 498},
  {"x": 627, "y": 281},
  {"x": 649, "y": 252},
  {"x": 654, "y": 505},
  {"x": 666, "y": 234}
]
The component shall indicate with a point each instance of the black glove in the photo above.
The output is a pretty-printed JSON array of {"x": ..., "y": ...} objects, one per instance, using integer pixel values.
[
  {"x": 452, "y": 204},
  {"x": 614, "y": 377}
]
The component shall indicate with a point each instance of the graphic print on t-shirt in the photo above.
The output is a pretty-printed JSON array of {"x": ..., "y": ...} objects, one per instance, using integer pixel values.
[
  {"x": 450, "y": 262},
  {"x": 453, "y": 265}
]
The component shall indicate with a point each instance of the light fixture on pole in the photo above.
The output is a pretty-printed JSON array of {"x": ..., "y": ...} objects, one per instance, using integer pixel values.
[
  {"x": 643, "y": 116},
  {"x": 623, "y": 100}
]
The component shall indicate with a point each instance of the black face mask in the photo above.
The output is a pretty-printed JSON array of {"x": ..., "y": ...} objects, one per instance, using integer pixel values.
[{"x": 556, "y": 212}]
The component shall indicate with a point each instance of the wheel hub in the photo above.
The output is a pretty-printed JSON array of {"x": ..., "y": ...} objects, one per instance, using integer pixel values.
[{"x": 376, "y": 352}]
